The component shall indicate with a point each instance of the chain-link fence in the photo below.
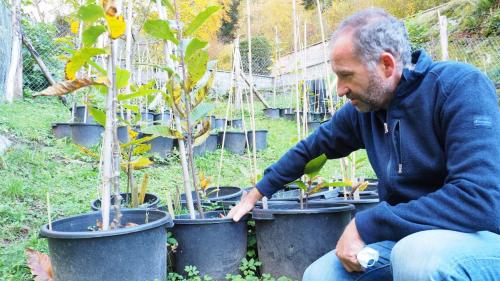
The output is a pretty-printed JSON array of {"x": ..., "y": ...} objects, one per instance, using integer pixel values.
[
  {"x": 5, "y": 44},
  {"x": 50, "y": 41},
  {"x": 483, "y": 53}
]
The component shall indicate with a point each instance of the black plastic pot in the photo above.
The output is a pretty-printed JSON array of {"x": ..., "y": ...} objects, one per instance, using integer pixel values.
[
  {"x": 260, "y": 139},
  {"x": 235, "y": 123},
  {"x": 132, "y": 253},
  {"x": 235, "y": 142},
  {"x": 200, "y": 149},
  {"x": 61, "y": 130},
  {"x": 211, "y": 143},
  {"x": 161, "y": 118},
  {"x": 86, "y": 134},
  {"x": 315, "y": 116},
  {"x": 80, "y": 115},
  {"x": 151, "y": 201},
  {"x": 212, "y": 122},
  {"x": 290, "y": 239},
  {"x": 361, "y": 204},
  {"x": 273, "y": 113},
  {"x": 214, "y": 245},
  {"x": 284, "y": 111},
  {"x": 313, "y": 125},
  {"x": 147, "y": 117},
  {"x": 161, "y": 145},
  {"x": 122, "y": 132},
  {"x": 290, "y": 116},
  {"x": 219, "y": 123}
]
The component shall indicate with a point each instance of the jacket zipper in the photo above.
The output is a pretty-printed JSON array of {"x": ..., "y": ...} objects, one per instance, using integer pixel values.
[{"x": 396, "y": 141}]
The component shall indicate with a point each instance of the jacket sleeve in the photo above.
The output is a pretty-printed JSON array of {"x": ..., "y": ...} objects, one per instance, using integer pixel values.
[
  {"x": 335, "y": 138},
  {"x": 469, "y": 199}
]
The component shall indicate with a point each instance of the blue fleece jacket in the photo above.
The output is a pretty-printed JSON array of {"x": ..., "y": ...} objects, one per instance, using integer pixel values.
[{"x": 435, "y": 150}]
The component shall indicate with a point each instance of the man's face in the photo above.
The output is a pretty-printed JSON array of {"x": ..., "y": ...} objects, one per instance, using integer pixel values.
[{"x": 365, "y": 88}]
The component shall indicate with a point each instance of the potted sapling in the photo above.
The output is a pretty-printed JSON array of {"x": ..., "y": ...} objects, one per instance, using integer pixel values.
[
  {"x": 112, "y": 244},
  {"x": 287, "y": 230},
  {"x": 207, "y": 240}
]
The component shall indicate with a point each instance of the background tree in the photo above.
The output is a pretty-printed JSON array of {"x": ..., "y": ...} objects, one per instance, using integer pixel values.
[
  {"x": 261, "y": 55},
  {"x": 229, "y": 25}
]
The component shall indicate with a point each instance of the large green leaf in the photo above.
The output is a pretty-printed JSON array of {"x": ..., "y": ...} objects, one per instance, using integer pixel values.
[
  {"x": 99, "y": 115},
  {"x": 314, "y": 166},
  {"x": 162, "y": 131},
  {"x": 201, "y": 111},
  {"x": 300, "y": 184},
  {"x": 90, "y": 35},
  {"x": 192, "y": 46},
  {"x": 90, "y": 13},
  {"x": 197, "y": 66},
  {"x": 160, "y": 29},
  {"x": 200, "y": 19},
  {"x": 122, "y": 77}
]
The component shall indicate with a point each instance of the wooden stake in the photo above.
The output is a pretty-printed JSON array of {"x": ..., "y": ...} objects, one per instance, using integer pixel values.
[{"x": 325, "y": 58}]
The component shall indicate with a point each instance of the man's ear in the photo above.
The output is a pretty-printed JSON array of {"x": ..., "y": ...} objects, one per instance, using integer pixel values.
[{"x": 388, "y": 63}]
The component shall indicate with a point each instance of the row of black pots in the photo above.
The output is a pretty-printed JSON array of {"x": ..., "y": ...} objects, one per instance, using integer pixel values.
[
  {"x": 214, "y": 245},
  {"x": 221, "y": 123},
  {"x": 146, "y": 116},
  {"x": 85, "y": 134},
  {"x": 289, "y": 114},
  {"x": 236, "y": 142}
]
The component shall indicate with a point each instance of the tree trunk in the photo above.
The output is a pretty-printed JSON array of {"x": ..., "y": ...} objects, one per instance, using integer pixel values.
[{"x": 14, "y": 86}]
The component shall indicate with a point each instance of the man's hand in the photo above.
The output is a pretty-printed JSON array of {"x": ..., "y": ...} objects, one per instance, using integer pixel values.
[
  {"x": 246, "y": 204},
  {"x": 349, "y": 245}
]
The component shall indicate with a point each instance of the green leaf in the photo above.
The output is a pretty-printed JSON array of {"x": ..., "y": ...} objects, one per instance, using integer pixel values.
[
  {"x": 90, "y": 35},
  {"x": 160, "y": 29},
  {"x": 99, "y": 115},
  {"x": 300, "y": 184},
  {"x": 168, "y": 5},
  {"x": 200, "y": 19},
  {"x": 335, "y": 184},
  {"x": 162, "y": 131},
  {"x": 193, "y": 46},
  {"x": 98, "y": 67},
  {"x": 134, "y": 108},
  {"x": 201, "y": 111},
  {"x": 122, "y": 77},
  {"x": 79, "y": 59},
  {"x": 314, "y": 166},
  {"x": 90, "y": 13},
  {"x": 197, "y": 66}
]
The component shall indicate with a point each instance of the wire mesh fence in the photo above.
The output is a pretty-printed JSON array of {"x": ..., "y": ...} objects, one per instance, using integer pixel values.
[
  {"x": 5, "y": 44},
  {"x": 483, "y": 53},
  {"x": 50, "y": 40}
]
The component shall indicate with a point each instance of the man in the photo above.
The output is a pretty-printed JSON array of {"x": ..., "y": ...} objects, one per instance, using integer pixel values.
[{"x": 432, "y": 134}]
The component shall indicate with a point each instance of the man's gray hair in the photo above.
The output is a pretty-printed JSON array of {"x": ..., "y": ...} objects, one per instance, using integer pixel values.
[{"x": 375, "y": 31}]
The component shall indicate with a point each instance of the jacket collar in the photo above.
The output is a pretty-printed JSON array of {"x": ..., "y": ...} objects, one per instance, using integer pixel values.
[{"x": 420, "y": 63}]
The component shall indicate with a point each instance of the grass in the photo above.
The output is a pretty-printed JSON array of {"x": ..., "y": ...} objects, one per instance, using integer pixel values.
[{"x": 37, "y": 165}]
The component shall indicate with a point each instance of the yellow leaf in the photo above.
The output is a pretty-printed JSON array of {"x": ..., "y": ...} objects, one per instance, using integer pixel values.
[
  {"x": 138, "y": 164},
  {"x": 144, "y": 187},
  {"x": 88, "y": 152},
  {"x": 75, "y": 27},
  {"x": 116, "y": 26},
  {"x": 363, "y": 186},
  {"x": 131, "y": 133},
  {"x": 140, "y": 149}
]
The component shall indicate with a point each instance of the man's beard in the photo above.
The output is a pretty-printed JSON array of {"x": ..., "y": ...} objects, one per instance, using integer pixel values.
[{"x": 374, "y": 96}]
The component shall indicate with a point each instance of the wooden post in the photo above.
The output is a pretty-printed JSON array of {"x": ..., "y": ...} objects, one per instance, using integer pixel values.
[
  {"x": 443, "y": 36},
  {"x": 14, "y": 85}
]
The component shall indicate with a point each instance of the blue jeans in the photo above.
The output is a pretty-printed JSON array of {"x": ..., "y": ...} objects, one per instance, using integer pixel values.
[{"x": 427, "y": 255}]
